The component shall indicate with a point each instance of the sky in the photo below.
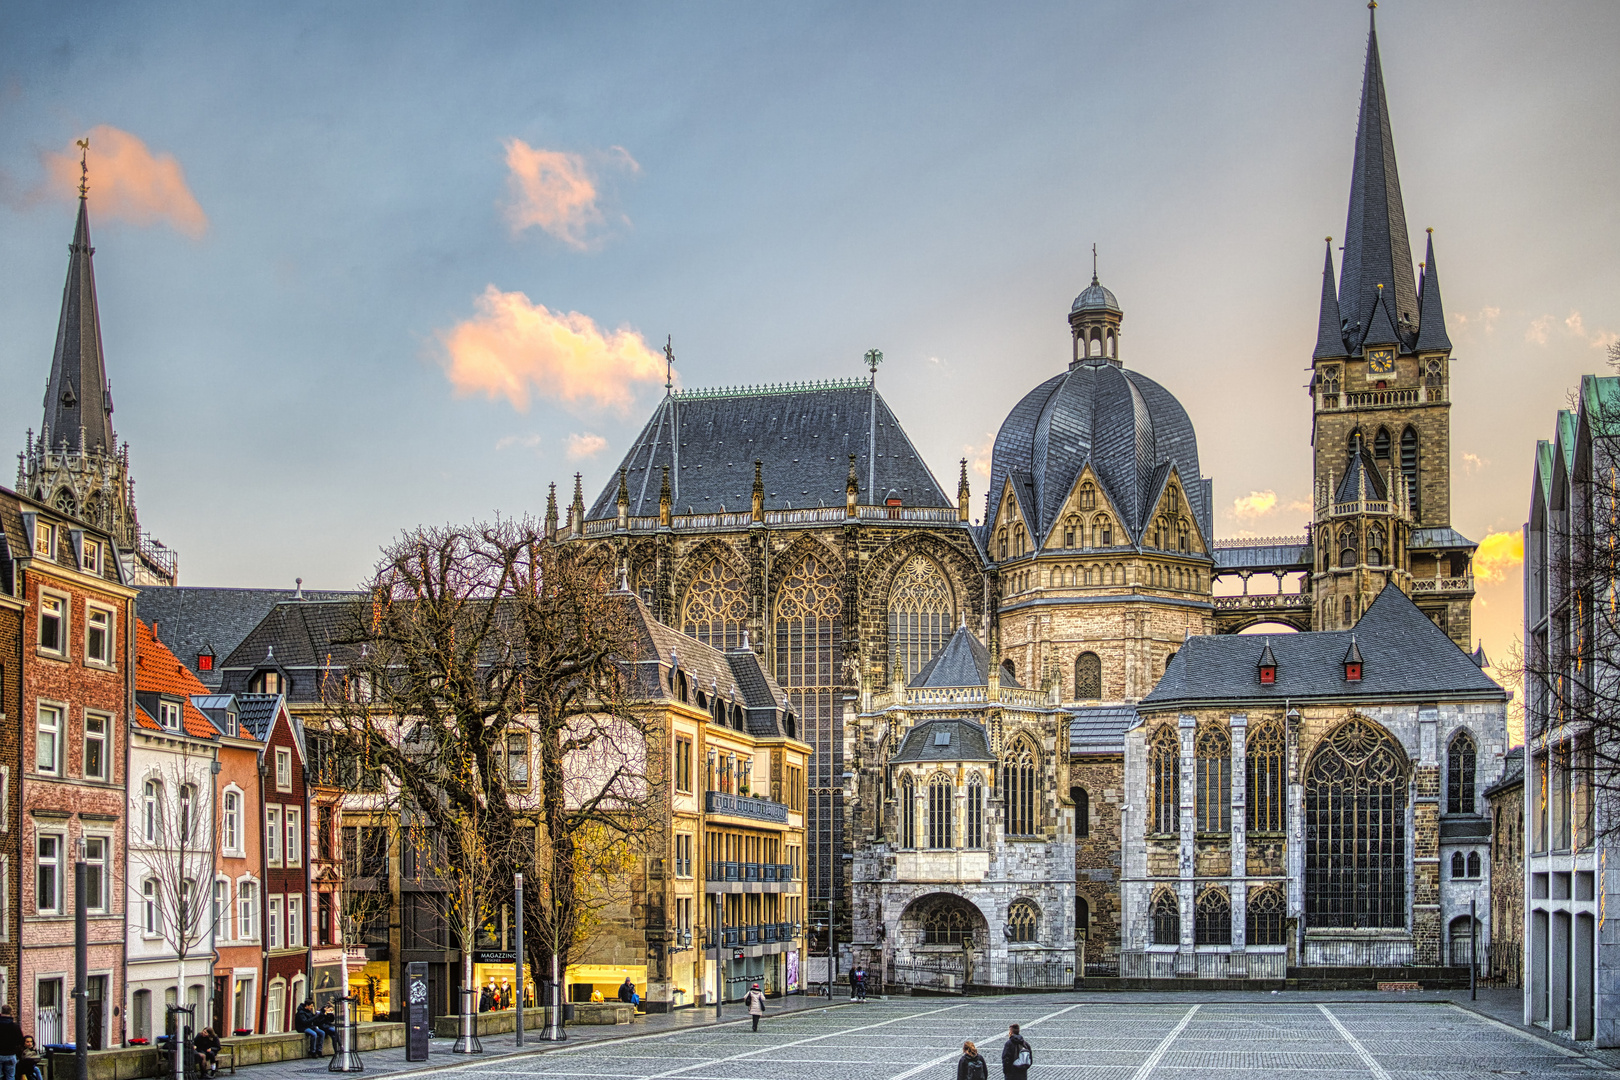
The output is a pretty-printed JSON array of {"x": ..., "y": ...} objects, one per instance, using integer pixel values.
[{"x": 366, "y": 266}]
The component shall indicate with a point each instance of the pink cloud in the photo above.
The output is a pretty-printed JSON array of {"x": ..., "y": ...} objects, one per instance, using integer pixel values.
[
  {"x": 554, "y": 191},
  {"x": 127, "y": 181}
]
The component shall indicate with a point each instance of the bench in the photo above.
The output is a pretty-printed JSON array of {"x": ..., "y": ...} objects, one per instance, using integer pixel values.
[{"x": 226, "y": 1059}]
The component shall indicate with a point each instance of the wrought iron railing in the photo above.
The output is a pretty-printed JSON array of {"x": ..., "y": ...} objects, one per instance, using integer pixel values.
[
  {"x": 750, "y": 871},
  {"x": 1500, "y": 963},
  {"x": 720, "y": 802},
  {"x": 1041, "y": 975}
]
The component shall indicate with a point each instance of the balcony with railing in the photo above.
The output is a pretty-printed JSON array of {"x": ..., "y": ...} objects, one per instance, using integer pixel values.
[
  {"x": 746, "y": 806},
  {"x": 750, "y": 871},
  {"x": 804, "y": 515},
  {"x": 1463, "y": 584},
  {"x": 738, "y": 937}
]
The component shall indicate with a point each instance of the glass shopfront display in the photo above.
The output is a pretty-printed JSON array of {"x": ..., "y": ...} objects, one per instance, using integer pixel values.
[
  {"x": 582, "y": 979},
  {"x": 372, "y": 990}
]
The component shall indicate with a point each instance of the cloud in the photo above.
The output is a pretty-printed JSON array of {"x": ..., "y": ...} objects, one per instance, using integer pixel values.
[
  {"x": 528, "y": 442},
  {"x": 1254, "y": 504},
  {"x": 1473, "y": 463},
  {"x": 1537, "y": 332},
  {"x": 517, "y": 349},
  {"x": 554, "y": 191},
  {"x": 128, "y": 181},
  {"x": 1487, "y": 317},
  {"x": 1498, "y": 553},
  {"x": 978, "y": 455},
  {"x": 1540, "y": 330},
  {"x": 582, "y": 444}
]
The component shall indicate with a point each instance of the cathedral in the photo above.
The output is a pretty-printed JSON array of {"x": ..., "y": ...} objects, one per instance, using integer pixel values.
[{"x": 993, "y": 799}]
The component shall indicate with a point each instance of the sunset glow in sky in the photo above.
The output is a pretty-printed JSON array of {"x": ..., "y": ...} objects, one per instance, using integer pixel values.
[{"x": 366, "y": 266}]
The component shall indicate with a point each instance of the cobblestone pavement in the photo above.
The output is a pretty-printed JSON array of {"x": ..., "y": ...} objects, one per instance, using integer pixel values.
[{"x": 1075, "y": 1036}]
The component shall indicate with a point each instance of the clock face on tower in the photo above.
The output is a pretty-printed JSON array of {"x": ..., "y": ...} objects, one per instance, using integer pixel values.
[{"x": 1380, "y": 361}]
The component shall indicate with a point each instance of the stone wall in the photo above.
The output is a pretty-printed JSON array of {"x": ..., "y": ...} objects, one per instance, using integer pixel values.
[{"x": 1097, "y": 855}]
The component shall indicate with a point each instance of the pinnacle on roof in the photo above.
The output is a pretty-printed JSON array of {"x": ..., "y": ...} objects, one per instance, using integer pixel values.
[
  {"x": 1378, "y": 327},
  {"x": 1330, "y": 325},
  {"x": 1479, "y": 658},
  {"x": 78, "y": 395},
  {"x": 1431, "y": 315},
  {"x": 1377, "y": 250},
  {"x": 1352, "y": 655},
  {"x": 1267, "y": 657}
]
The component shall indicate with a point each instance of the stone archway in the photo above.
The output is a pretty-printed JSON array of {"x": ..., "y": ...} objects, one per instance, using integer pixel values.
[{"x": 943, "y": 943}]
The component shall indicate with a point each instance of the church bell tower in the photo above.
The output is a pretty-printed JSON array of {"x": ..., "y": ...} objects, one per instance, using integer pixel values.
[{"x": 1380, "y": 388}]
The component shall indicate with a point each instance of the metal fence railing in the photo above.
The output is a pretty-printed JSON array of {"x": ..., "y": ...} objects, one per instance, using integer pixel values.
[
  {"x": 1041, "y": 976},
  {"x": 1500, "y": 962},
  {"x": 944, "y": 975},
  {"x": 1101, "y": 961}
]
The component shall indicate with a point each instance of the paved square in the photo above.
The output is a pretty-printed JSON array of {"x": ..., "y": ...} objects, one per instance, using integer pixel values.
[{"x": 1076, "y": 1038}]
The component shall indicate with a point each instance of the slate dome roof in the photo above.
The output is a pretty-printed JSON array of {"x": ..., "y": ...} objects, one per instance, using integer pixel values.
[
  {"x": 1096, "y": 298},
  {"x": 1131, "y": 430}
]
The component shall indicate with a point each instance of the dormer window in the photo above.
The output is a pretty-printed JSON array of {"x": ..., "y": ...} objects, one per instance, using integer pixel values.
[
  {"x": 1352, "y": 663},
  {"x": 169, "y": 715},
  {"x": 268, "y": 682},
  {"x": 205, "y": 661},
  {"x": 91, "y": 556},
  {"x": 1268, "y": 666}
]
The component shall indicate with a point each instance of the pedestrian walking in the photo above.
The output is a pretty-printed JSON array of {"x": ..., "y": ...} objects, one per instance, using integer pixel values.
[
  {"x": 1016, "y": 1055},
  {"x": 971, "y": 1065},
  {"x": 756, "y": 1004},
  {"x": 860, "y": 983},
  {"x": 11, "y": 1043}
]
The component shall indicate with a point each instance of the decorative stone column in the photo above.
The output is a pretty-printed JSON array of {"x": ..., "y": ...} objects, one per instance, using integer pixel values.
[
  {"x": 1186, "y": 961},
  {"x": 1237, "y": 888},
  {"x": 1426, "y": 842}
]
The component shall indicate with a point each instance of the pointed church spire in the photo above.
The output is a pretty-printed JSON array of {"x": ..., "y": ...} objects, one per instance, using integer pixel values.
[
  {"x": 1330, "y": 327},
  {"x": 1377, "y": 250},
  {"x": 77, "y": 395},
  {"x": 1379, "y": 328},
  {"x": 551, "y": 512},
  {"x": 1432, "y": 317}
]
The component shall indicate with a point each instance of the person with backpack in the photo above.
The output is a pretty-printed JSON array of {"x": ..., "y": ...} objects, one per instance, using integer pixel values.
[
  {"x": 756, "y": 1004},
  {"x": 971, "y": 1065},
  {"x": 1016, "y": 1055}
]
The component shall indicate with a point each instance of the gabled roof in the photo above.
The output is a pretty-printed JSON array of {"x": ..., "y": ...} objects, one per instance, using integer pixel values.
[
  {"x": 961, "y": 662},
  {"x": 1100, "y": 729},
  {"x": 1405, "y": 655},
  {"x": 1438, "y": 536},
  {"x": 256, "y": 713},
  {"x": 191, "y": 619},
  {"x": 305, "y": 636},
  {"x": 803, "y": 435},
  {"x": 1362, "y": 469},
  {"x": 159, "y": 673},
  {"x": 952, "y": 739},
  {"x": 77, "y": 393},
  {"x": 1512, "y": 772}
]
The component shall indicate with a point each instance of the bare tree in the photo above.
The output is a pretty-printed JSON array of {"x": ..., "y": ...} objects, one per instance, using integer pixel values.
[{"x": 172, "y": 856}]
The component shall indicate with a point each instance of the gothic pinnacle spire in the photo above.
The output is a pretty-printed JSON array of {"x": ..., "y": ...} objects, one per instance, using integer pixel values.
[
  {"x": 1431, "y": 314},
  {"x": 1330, "y": 326},
  {"x": 77, "y": 393}
]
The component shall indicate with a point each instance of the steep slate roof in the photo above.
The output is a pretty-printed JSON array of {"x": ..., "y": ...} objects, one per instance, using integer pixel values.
[
  {"x": 1100, "y": 729},
  {"x": 1442, "y": 536},
  {"x": 77, "y": 393},
  {"x": 1406, "y": 656},
  {"x": 1361, "y": 468},
  {"x": 159, "y": 672},
  {"x": 966, "y": 741},
  {"x": 961, "y": 662},
  {"x": 190, "y": 619},
  {"x": 804, "y": 435},
  {"x": 305, "y": 635},
  {"x": 1512, "y": 772},
  {"x": 256, "y": 712},
  {"x": 1123, "y": 423}
]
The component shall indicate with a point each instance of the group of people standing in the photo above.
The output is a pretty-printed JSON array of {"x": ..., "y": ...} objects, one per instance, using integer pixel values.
[{"x": 1016, "y": 1058}]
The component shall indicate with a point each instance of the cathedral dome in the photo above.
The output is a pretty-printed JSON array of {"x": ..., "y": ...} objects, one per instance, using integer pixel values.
[
  {"x": 1096, "y": 298},
  {"x": 1128, "y": 428}
]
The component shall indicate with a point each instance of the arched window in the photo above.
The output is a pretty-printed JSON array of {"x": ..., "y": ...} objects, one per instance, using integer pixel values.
[
  {"x": 1183, "y": 537},
  {"x": 716, "y": 608},
  {"x": 1001, "y": 544},
  {"x": 1082, "y": 811},
  {"x": 1009, "y": 670},
  {"x": 1023, "y": 922},
  {"x": 187, "y": 799},
  {"x": 1161, "y": 533},
  {"x": 1212, "y": 918},
  {"x": 920, "y": 614},
  {"x": 1102, "y": 532},
  {"x": 975, "y": 812},
  {"x": 809, "y": 666},
  {"x": 908, "y": 812},
  {"x": 1460, "y": 775},
  {"x": 1082, "y": 917},
  {"x": 947, "y": 922},
  {"x": 1019, "y": 771},
  {"x": 1459, "y": 865},
  {"x": 1265, "y": 916},
  {"x": 1267, "y": 795},
  {"x": 1375, "y": 546},
  {"x": 1461, "y": 936},
  {"x": 152, "y": 811},
  {"x": 1164, "y": 772},
  {"x": 1355, "y": 830},
  {"x": 231, "y": 821},
  {"x": 1347, "y": 546},
  {"x": 1348, "y": 612},
  {"x": 1409, "y": 466},
  {"x": 1088, "y": 677},
  {"x": 1381, "y": 444},
  {"x": 1473, "y": 864},
  {"x": 1166, "y": 916},
  {"x": 150, "y": 916},
  {"x": 1088, "y": 497},
  {"x": 941, "y": 793},
  {"x": 1214, "y": 795}
]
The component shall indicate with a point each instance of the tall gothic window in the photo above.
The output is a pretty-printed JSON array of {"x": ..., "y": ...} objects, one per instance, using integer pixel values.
[
  {"x": 1070, "y": 528},
  {"x": 716, "y": 607},
  {"x": 1082, "y": 812},
  {"x": 1265, "y": 916},
  {"x": 908, "y": 812},
  {"x": 1212, "y": 918},
  {"x": 1023, "y": 922},
  {"x": 1381, "y": 444},
  {"x": 1102, "y": 532},
  {"x": 1183, "y": 537},
  {"x": 975, "y": 812},
  {"x": 1088, "y": 677},
  {"x": 1164, "y": 773},
  {"x": 1355, "y": 830},
  {"x": 809, "y": 631},
  {"x": 1409, "y": 466},
  {"x": 1375, "y": 546},
  {"x": 1267, "y": 795},
  {"x": 1088, "y": 497},
  {"x": 1161, "y": 533},
  {"x": 941, "y": 793},
  {"x": 1347, "y": 546},
  {"x": 1022, "y": 789},
  {"x": 1460, "y": 775},
  {"x": 1166, "y": 916},
  {"x": 947, "y": 921},
  {"x": 919, "y": 614},
  {"x": 1214, "y": 795}
]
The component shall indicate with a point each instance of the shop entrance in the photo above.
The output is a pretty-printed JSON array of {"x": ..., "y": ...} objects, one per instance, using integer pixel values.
[{"x": 743, "y": 974}]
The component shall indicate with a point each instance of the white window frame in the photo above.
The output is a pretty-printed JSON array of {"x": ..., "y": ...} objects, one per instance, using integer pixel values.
[
  {"x": 231, "y": 820},
  {"x": 109, "y": 639},
  {"x": 5, "y": 905},
  {"x": 151, "y": 909},
  {"x": 5, "y": 798},
  {"x": 283, "y": 769},
  {"x": 293, "y": 853},
  {"x": 93, "y": 907},
  {"x": 104, "y": 736},
  {"x": 54, "y": 731},
  {"x": 63, "y": 605},
  {"x": 151, "y": 809},
  {"x": 295, "y": 921},
  {"x": 275, "y": 1006},
  {"x": 222, "y": 902},
  {"x": 272, "y": 836},
  {"x": 54, "y": 865},
  {"x": 272, "y": 925},
  {"x": 44, "y": 540},
  {"x": 247, "y": 909},
  {"x": 169, "y": 715},
  {"x": 90, "y": 555}
]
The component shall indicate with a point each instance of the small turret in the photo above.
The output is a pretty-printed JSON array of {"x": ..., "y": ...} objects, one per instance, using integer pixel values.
[
  {"x": 551, "y": 512},
  {"x": 665, "y": 501},
  {"x": 962, "y": 494},
  {"x": 759, "y": 491},
  {"x": 624, "y": 502},
  {"x": 852, "y": 490},
  {"x": 576, "y": 509}
]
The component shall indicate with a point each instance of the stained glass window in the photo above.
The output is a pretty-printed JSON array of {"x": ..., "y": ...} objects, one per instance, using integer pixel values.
[
  {"x": 941, "y": 793},
  {"x": 1212, "y": 918},
  {"x": 1023, "y": 921},
  {"x": 1460, "y": 775},
  {"x": 1214, "y": 795},
  {"x": 920, "y": 614},
  {"x": 716, "y": 608},
  {"x": 975, "y": 812},
  {"x": 1164, "y": 773},
  {"x": 1166, "y": 918},
  {"x": 1267, "y": 795},
  {"x": 1087, "y": 677},
  {"x": 1019, "y": 772},
  {"x": 1355, "y": 830},
  {"x": 1266, "y": 911},
  {"x": 908, "y": 812}
]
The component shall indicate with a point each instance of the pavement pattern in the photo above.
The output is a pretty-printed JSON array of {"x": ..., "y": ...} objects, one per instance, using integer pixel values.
[{"x": 1074, "y": 1037}]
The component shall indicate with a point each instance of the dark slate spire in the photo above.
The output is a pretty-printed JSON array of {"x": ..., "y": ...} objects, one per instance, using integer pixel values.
[
  {"x": 1377, "y": 250},
  {"x": 1432, "y": 320},
  {"x": 77, "y": 394},
  {"x": 1330, "y": 327},
  {"x": 1378, "y": 327}
]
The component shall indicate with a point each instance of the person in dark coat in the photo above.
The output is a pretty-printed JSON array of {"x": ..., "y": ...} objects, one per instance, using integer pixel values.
[
  {"x": 1016, "y": 1055},
  {"x": 306, "y": 1021},
  {"x": 971, "y": 1065},
  {"x": 11, "y": 1044},
  {"x": 627, "y": 992},
  {"x": 28, "y": 1060},
  {"x": 486, "y": 999},
  {"x": 207, "y": 1046}
]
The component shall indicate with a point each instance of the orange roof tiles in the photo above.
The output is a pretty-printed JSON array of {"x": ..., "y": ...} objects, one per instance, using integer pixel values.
[{"x": 159, "y": 671}]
